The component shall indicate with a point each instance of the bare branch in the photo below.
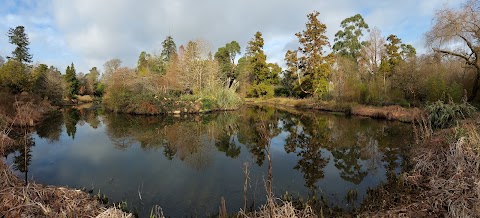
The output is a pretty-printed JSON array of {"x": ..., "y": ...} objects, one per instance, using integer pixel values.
[{"x": 467, "y": 59}]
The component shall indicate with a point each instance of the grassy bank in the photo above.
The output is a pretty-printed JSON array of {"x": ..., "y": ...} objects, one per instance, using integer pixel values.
[{"x": 393, "y": 112}]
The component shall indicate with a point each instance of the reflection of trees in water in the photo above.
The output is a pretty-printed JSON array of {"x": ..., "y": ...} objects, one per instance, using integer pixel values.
[
  {"x": 71, "y": 117},
  {"x": 23, "y": 156},
  {"x": 119, "y": 129},
  {"x": 225, "y": 139},
  {"x": 257, "y": 127},
  {"x": 192, "y": 139},
  {"x": 89, "y": 116},
  {"x": 361, "y": 146},
  {"x": 358, "y": 146},
  {"x": 21, "y": 149},
  {"x": 51, "y": 127},
  {"x": 308, "y": 135}
]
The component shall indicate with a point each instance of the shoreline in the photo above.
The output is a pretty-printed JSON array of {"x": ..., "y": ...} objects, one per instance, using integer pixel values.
[
  {"x": 393, "y": 113},
  {"x": 410, "y": 190}
]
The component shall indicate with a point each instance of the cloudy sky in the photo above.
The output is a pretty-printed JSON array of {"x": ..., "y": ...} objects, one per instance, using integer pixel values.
[{"x": 91, "y": 32}]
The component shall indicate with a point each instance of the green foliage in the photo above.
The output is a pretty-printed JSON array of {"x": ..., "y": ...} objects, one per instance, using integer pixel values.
[
  {"x": 313, "y": 65},
  {"x": 347, "y": 41},
  {"x": 227, "y": 99},
  {"x": 443, "y": 115},
  {"x": 72, "y": 82},
  {"x": 261, "y": 90},
  {"x": 257, "y": 59},
  {"x": 19, "y": 38},
  {"x": 15, "y": 76},
  {"x": 169, "y": 49},
  {"x": 148, "y": 63},
  {"x": 99, "y": 89},
  {"x": 142, "y": 64},
  {"x": 226, "y": 60}
]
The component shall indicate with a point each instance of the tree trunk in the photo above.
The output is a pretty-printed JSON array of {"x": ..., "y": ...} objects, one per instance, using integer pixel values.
[{"x": 475, "y": 86}]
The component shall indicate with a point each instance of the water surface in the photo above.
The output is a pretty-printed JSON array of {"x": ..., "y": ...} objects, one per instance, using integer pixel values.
[{"x": 186, "y": 164}]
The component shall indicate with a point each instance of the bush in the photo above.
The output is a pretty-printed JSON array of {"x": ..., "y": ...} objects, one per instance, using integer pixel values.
[
  {"x": 227, "y": 99},
  {"x": 444, "y": 115},
  {"x": 261, "y": 90}
]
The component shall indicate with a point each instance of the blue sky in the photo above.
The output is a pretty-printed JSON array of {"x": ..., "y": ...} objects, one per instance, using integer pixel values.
[{"x": 91, "y": 32}]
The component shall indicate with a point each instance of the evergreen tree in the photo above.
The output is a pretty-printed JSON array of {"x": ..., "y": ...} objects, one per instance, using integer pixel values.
[
  {"x": 261, "y": 78},
  {"x": 72, "y": 82},
  {"x": 19, "y": 38},
  {"x": 392, "y": 49},
  {"x": 347, "y": 41},
  {"x": 169, "y": 49},
  {"x": 313, "y": 67}
]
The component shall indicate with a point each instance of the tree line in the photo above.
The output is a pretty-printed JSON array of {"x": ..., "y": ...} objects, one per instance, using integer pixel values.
[{"x": 361, "y": 66}]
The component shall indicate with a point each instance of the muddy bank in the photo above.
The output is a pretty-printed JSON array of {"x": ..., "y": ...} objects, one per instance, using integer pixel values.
[{"x": 395, "y": 112}]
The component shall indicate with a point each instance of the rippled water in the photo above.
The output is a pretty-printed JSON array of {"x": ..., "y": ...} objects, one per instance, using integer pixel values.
[{"x": 186, "y": 164}]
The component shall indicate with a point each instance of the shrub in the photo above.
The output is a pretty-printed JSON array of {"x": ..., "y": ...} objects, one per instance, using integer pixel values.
[
  {"x": 444, "y": 115},
  {"x": 227, "y": 99},
  {"x": 262, "y": 90}
]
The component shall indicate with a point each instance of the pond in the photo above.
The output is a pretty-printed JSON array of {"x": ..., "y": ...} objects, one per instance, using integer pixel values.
[{"x": 187, "y": 163}]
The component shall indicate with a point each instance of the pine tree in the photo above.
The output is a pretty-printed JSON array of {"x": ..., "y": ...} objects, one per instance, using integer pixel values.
[
  {"x": 19, "y": 38},
  {"x": 169, "y": 49},
  {"x": 72, "y": 82},
  {"x": 312, "y": 65}
]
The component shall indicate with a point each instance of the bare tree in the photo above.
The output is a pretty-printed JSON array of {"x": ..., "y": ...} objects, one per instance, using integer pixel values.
[
  {"x": 198, "y": 70},
  {"x": 111, "y": 66},
  {"x": 457, "y": 33},
  {"x": 372, "y": 52}
]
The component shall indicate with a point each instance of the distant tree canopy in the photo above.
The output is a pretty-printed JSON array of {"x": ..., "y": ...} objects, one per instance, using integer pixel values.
[
  {"x": 18, "y": 37},
  {"x": 363, "y": 66},
  {"x": 347, "y": 41}
]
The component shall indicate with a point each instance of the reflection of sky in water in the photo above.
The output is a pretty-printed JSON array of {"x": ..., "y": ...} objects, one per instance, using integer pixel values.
[{"x": 144, "y": 176}]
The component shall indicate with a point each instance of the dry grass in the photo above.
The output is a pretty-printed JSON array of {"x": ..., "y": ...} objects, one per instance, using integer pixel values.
[
  {"x": 290, "y": 102},
  {"x": 388, "y": 112},
  {"x": 35, "y": 200},
  {"x": 85, "y": 98},
  {"x": 113, "y": 212},
  {"x": 273, "y": 210},
  {"x": 444, "y": 181}
]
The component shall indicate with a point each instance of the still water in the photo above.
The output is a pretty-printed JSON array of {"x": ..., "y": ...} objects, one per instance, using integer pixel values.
[{"x": 186, "y": 164}]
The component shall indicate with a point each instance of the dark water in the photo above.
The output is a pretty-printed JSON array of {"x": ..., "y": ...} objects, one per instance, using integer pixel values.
[{"x": 186, "y": 164}]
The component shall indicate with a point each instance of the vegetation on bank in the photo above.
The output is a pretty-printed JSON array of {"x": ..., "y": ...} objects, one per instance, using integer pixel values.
[
  {"x": 364, "y": 67},
  {"x": 443, "y": 179}
]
